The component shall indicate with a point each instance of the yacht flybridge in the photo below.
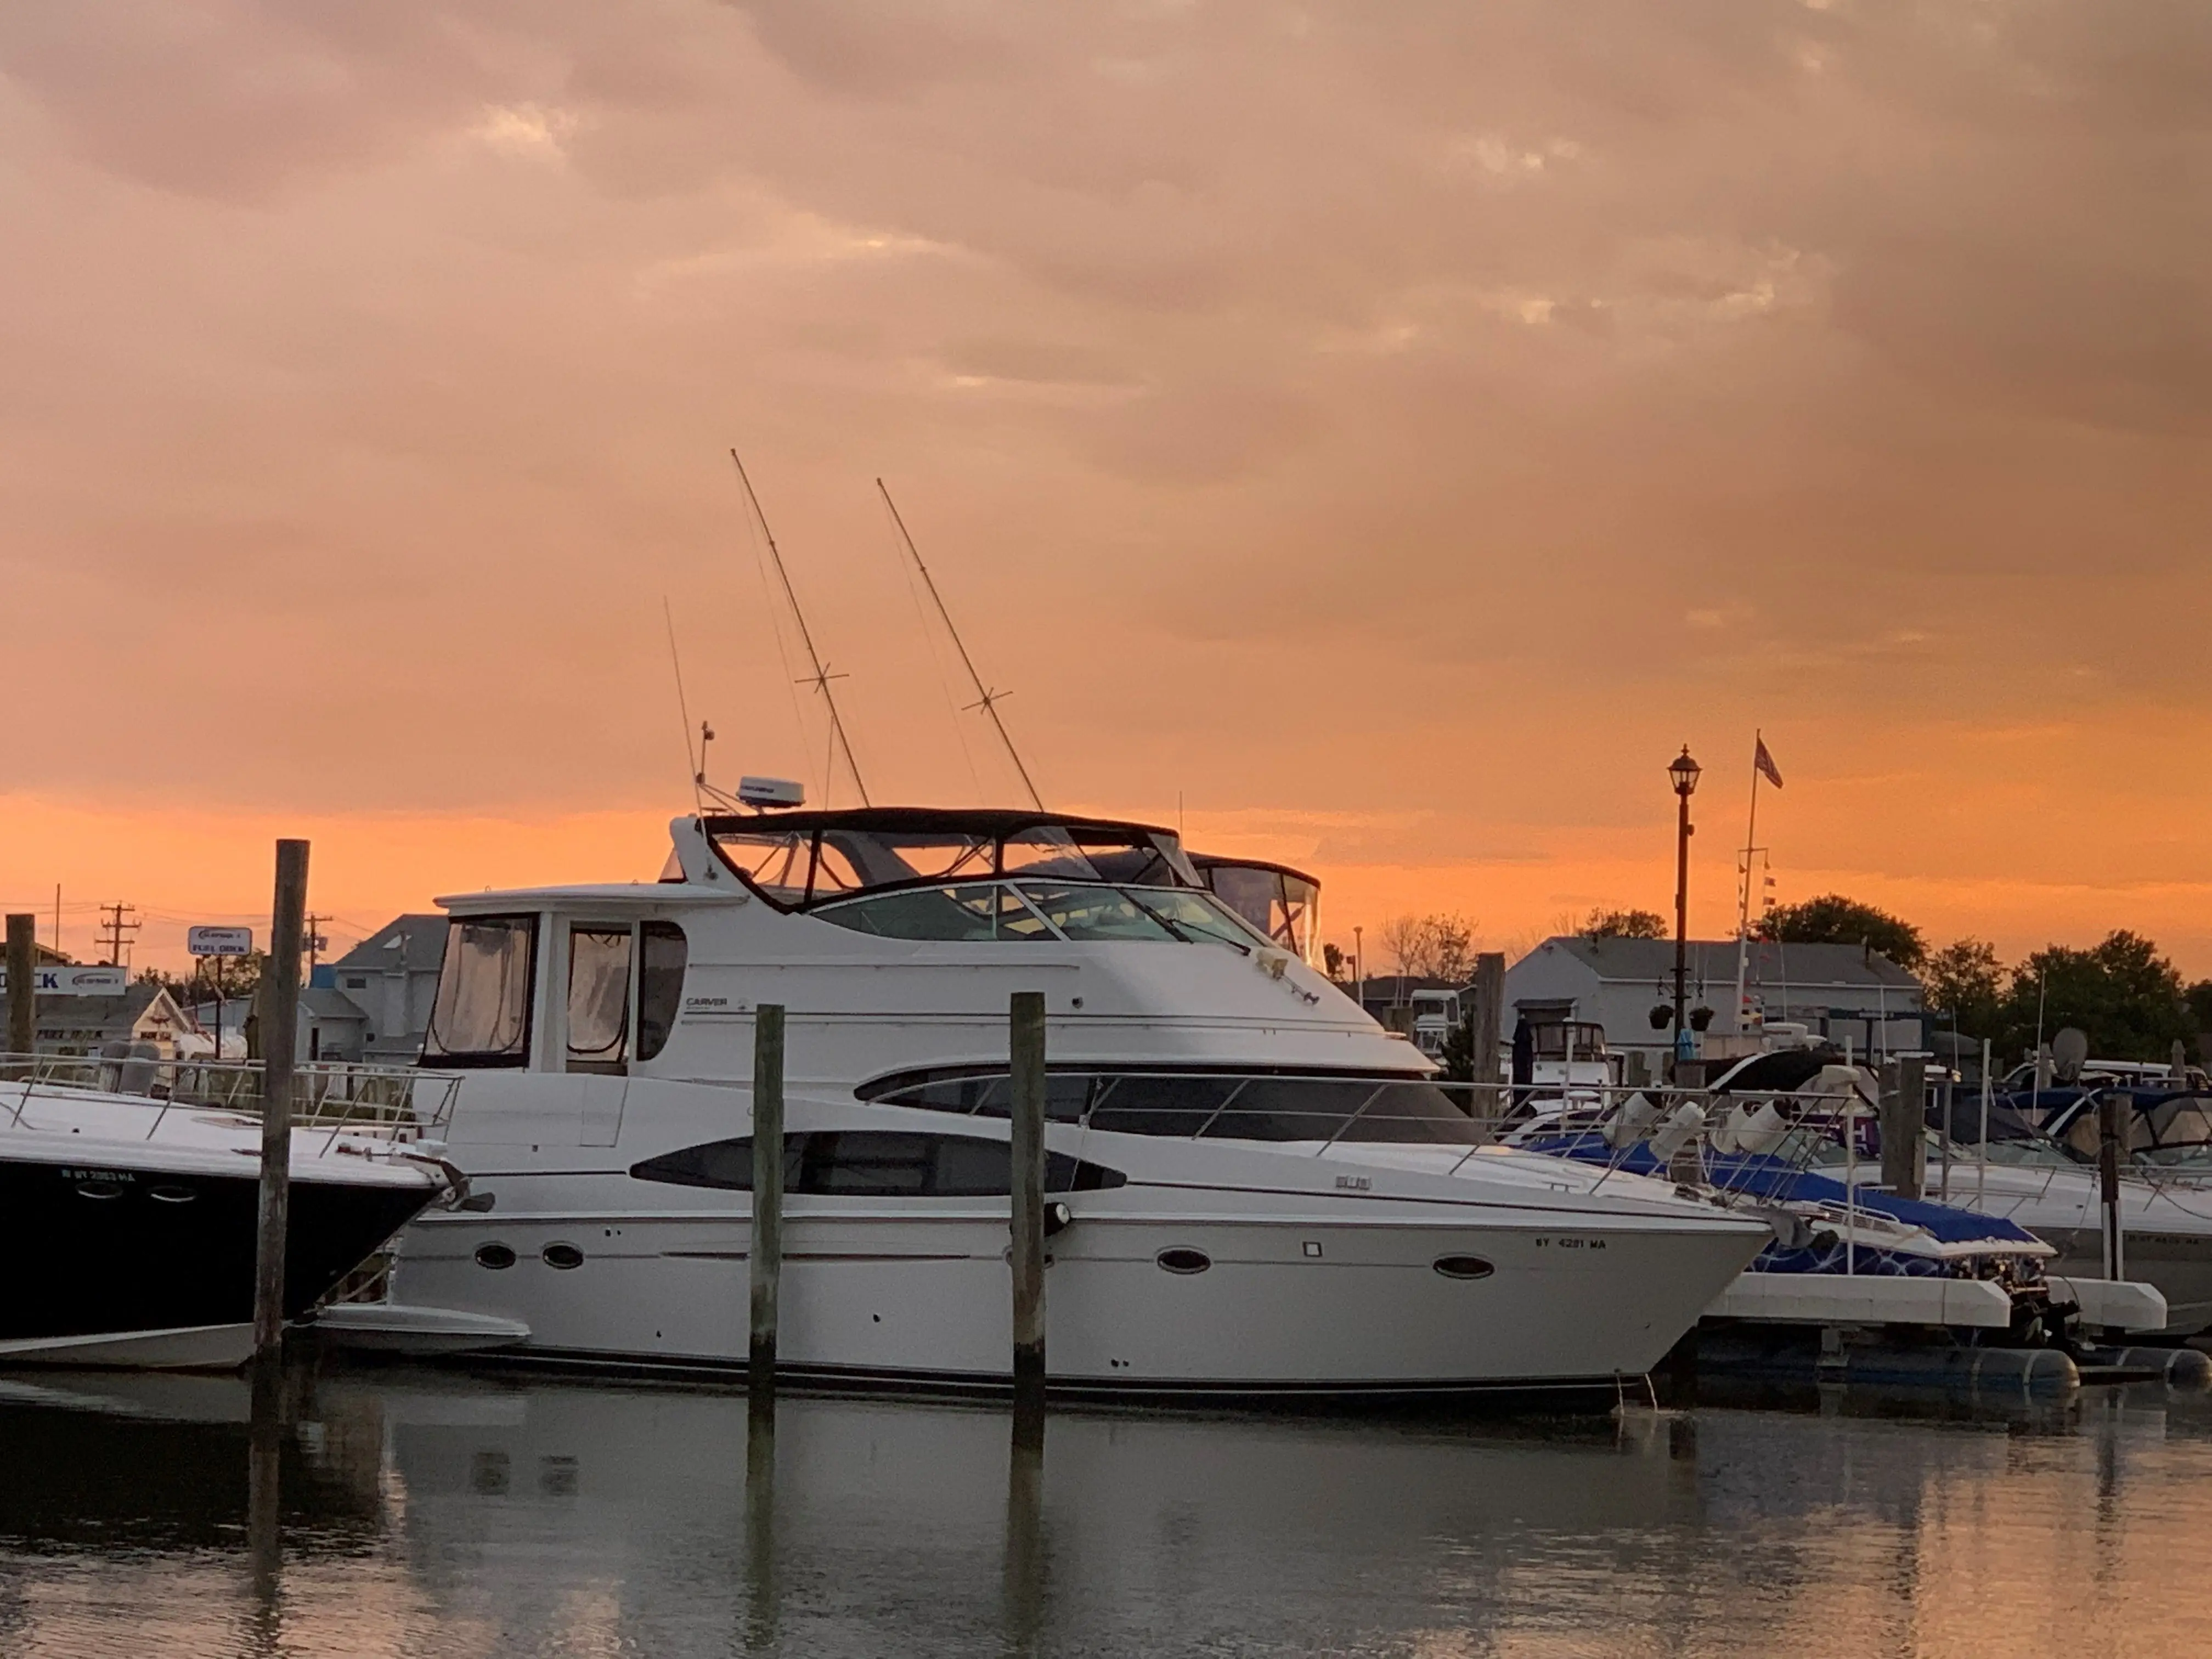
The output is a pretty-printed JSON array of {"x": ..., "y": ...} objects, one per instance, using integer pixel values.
[{"x": 1259, "y": 1191}]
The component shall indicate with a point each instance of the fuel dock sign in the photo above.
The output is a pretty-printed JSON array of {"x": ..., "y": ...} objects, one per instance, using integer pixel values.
[{"x": 219, "y": 941}]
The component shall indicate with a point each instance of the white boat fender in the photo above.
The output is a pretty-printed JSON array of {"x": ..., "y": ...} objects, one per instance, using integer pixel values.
[
  {"x": 1762, "y": 1131},
  {"x": 1679, "y": 1129},
  {"x": 1624, "y": 1125},
  {"x": 1723, "y": 1135}
]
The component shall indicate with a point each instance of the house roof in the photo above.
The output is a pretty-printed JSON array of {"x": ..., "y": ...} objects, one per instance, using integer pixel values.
[
  {"x": 112, "y": 1014},
  {"x": 416, "y": 942},
  {"x": 1651, "y": 961},
  {"x": 321, "y": 1003},
  {"x": 1389, "y": 987}
]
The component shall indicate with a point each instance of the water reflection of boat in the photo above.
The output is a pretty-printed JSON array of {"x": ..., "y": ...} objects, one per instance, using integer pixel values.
[
  {"x": 1264, "y": 1192},
  {"x": 147, "y": 1461}
]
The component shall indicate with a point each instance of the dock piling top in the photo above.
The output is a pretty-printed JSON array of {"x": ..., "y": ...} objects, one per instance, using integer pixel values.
[{"x": 22, "y": 983}]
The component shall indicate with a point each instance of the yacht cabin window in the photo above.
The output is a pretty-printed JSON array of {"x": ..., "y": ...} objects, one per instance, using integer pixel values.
[
  {"x": 482, "y": 1014},
  {"x": 599, "y": 996},
  {"x": 1212, "y": 1105},
  {"x": 661, "y": 953},
  {"x": 873, "y": 1163}
]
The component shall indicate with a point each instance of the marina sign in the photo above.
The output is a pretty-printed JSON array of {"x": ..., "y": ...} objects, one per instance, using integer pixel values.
[
  {"x": 66, "y": 981},
  {"x": 219, "y": 941}
]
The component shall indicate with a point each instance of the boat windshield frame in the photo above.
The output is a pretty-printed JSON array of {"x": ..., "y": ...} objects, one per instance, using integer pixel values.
[{"x": 801, "y": 861}]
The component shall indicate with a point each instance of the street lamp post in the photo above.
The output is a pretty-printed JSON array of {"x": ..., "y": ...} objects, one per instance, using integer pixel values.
[{"x": 1684, "y": 772}]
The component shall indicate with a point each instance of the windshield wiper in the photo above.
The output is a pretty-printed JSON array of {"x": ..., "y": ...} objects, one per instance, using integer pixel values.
[{"x": 1221, "y": 938}]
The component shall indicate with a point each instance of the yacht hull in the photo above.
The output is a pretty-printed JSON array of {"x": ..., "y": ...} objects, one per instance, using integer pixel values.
[
  {"x": 1328, "y": 1305},
  {"x": 105, "y": 1251}
]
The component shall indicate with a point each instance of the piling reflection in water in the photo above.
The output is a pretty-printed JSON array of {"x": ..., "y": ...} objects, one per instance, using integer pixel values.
[{"x": 433, "y": 1515}]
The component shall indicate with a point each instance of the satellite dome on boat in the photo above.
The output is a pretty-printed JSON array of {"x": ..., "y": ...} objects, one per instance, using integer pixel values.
[{"x": 771, "y": 792}]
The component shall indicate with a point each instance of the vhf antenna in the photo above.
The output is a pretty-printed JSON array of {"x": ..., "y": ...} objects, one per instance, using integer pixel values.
[
  {"x": 985, "y": 699},
  {"x": 701, "y": 791},
  {"x": 838, "y": 741}
]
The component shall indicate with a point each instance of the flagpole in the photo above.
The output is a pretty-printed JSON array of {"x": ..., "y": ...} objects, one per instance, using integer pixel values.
[{"x": 1743, "y": 916}]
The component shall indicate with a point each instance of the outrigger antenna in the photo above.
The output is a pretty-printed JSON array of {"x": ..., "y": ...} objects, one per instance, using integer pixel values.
[
  {"x": 985, "y": 699},
  {"x": 839, "y": 743}
]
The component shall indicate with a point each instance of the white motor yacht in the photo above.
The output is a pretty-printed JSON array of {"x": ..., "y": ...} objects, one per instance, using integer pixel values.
[
  {"x": 130, "y": 1194},
  {"x": 1256, "y": 1190}
]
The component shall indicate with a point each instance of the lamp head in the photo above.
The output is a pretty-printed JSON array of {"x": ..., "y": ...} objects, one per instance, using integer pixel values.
[{"x": 1685, "y": 773}]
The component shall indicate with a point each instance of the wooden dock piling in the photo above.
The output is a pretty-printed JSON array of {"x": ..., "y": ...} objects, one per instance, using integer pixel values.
[
  {"x": 1903, "y": 1108},
  {"x": 279, "y": 1025},
  {"x": 1485, "y": 1019},
  {"x": 1025, "y": 1034},
  {"x": 766, "y": 1256},
  {"x": 2108, "y": 1182},
  {"x": 22, "y": 983}
]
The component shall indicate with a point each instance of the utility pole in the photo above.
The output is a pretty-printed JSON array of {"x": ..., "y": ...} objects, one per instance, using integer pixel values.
[
  {"x": 316, "y": 941},
  {"x": 115, "y": 928}
]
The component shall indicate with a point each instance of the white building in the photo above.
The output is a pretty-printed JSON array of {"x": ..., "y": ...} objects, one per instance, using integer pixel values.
[
  {"x": 1841, "y": 991},
  {"x": 80, "y": 1023}
]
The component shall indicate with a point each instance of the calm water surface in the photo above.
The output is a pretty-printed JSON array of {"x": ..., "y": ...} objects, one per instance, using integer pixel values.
[{"x": 434, "y": 1513}]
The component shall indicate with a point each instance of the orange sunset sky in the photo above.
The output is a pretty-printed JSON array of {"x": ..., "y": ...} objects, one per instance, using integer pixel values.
[{"x": 1383, "y": 434}]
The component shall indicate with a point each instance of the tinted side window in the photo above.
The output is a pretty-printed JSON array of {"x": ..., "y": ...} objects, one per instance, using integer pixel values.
[
  {"x": 662, "y": 954},
  {"x": 859, "y": 1162},
  {"x": 873, "y": 1163}
]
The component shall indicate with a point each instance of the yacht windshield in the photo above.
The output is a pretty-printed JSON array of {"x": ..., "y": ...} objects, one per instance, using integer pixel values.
[
  {"x": 801, "y": 859},
  {"x": 1280, "y": 904},
  {"x": 1035, "y": 912}
]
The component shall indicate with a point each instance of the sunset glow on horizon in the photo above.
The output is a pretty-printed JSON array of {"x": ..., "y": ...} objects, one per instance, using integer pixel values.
[{"x": 1373, "y": 440}]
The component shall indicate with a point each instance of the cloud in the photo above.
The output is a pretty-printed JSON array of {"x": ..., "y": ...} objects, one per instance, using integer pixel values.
[{"x": 1449, "y": 407}]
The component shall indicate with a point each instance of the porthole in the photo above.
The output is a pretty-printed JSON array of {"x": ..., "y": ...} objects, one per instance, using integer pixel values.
[
  {"x": 174, "y": 1194},
  {"x": 100, "y": 1189},
  {"x": 1464, "y": 1266},
  {"x": 561, "y": 1255},
  {"x": 495, "y": 1257},
  {"x": 1184, "y": 1261}
]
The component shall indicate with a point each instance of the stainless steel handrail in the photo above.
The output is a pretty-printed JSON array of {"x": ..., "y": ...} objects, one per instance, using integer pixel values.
[{"x": 397, "y": 1104}]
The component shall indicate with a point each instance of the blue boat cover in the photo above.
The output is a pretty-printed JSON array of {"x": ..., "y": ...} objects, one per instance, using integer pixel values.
[{"x": 1771, "y": 1178}]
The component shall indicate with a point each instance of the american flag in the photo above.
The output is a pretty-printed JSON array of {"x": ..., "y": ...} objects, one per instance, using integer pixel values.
[{"x": 1765, "y": 763}]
